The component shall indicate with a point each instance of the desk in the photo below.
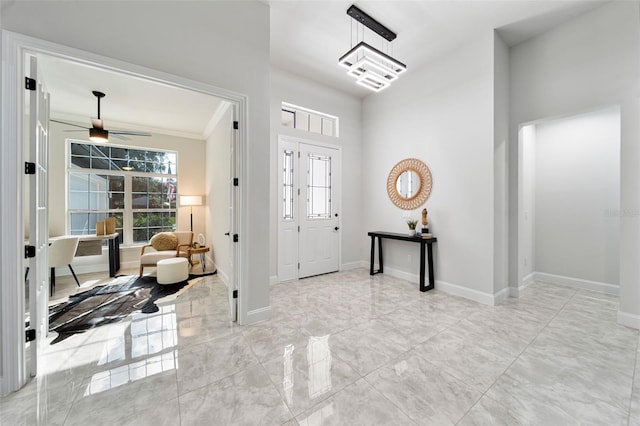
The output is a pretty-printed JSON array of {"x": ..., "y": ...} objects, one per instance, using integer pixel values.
[
  {"x": 113, "y": 241},
  {"x": 422, "y": 241}
]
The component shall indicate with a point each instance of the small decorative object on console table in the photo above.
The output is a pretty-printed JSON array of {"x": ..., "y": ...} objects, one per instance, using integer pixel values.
[
  {"x": 425, "y": 230},
  {"x": 412, "y": 226}
]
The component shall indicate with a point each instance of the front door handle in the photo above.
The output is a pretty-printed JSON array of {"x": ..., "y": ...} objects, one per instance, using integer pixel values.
[
  {"x": 336, "y": 228},
  {"x": 226, "y": 233}
]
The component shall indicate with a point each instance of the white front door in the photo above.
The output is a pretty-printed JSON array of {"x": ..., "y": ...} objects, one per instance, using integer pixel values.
[
  {"x": 38, "y": 154},
  {"x": 309, "y": 210}
]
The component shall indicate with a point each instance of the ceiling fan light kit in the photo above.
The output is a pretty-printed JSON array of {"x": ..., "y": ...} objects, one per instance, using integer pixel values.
[
  {"x": 371, "y": 67},
  {"x": 98, "y": 135}
]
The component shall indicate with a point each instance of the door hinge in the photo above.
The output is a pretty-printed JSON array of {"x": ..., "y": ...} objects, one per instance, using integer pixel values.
[
  {"x": 235, "y": 294},
  {"x": 235, "y": 238},
  {"x": 29, "y": 168},
  {"x": 298, "y": 228},
  {"x": 236, "y": 181},
  {"x": 30, "y": 335},
  {"x": 235, "y": 125},
  {"x": 298, "y": 265},
  {"x": 29, "y": 251},
  {"x": 298, "y": 191},
  {"x": 29, "y": 83}
]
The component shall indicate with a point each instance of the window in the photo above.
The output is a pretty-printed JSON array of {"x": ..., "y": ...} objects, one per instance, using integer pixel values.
[
  {"x": 288, "y": 186},
  {"x": 136, "y": 186},
  {"x": 319, "y": 187},
  {"x": 308, "y": 120}
]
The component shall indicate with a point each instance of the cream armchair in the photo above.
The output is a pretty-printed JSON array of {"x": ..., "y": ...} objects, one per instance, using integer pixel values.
[{"x": 150, "y": 256}]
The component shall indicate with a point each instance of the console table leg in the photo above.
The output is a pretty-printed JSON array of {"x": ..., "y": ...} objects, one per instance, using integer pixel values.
[
  {"x": 380, "y": 254},
  {"x": 373, "y": 249},
  {"x": 431, "y": 277},
  {"x": 422, "y": 286}
]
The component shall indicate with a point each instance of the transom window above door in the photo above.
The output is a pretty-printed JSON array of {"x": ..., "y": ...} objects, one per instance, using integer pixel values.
[
  {"x": 136, "y": 186},
  {"x": 308, "y": 120}
]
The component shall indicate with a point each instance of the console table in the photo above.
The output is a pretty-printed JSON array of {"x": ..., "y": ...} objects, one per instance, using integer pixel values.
[{"x": 428, "y": 242}]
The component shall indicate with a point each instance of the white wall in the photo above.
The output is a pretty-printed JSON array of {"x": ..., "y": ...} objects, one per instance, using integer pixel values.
[
  {"x": 443, "y": 115},
  {"x": 225, "y": 44},
  {"x": 190, "y": 170},
  {"x": 286, "y": 87},
  {"x": 588, "y": 63},
  {"x": 218, "y": 190},
  {"x": 577, "y": 196},
  {"x": 528, "y": 217},
  {"x": 500, "y": 140}
]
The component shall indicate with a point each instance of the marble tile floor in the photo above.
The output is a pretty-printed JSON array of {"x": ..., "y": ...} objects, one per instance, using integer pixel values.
[{"x": 346, "y": 349}]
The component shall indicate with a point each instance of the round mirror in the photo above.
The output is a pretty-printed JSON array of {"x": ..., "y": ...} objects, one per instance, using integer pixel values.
[{"x": 409, "y": 184}]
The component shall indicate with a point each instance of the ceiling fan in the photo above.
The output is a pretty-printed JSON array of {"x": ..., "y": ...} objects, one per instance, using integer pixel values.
[{"x": 97, "y": 133}]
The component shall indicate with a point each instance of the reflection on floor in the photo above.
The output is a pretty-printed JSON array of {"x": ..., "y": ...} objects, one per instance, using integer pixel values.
[{"x": 346, "y": 349}]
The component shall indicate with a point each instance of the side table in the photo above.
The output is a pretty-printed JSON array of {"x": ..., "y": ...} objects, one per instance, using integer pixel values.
[{"x": 201, "y": 251}]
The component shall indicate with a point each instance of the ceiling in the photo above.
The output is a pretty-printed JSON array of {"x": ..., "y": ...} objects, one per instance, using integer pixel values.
[
  {"x": 130, "y": 103},
  {"x": 307, "y": 38}
]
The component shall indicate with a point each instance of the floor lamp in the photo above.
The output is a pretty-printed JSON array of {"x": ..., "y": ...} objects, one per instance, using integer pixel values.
[{"x": 191, "y": 200}]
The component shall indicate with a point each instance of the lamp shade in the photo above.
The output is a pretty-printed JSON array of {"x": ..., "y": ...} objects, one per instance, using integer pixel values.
[{"x": 191, "y": 200}]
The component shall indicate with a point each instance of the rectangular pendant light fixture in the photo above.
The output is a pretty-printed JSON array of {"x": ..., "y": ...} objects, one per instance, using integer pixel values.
[{"x": 371, "y": 67}]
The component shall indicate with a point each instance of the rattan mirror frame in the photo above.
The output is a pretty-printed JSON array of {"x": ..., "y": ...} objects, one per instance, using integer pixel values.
[{"x": 423, "y": 193}]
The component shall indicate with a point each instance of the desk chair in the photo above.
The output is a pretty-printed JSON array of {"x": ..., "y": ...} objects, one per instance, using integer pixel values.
[{"x": 61, "y": 252}]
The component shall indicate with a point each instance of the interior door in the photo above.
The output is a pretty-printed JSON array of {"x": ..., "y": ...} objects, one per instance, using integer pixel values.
[
  {"x": 319, "y": 236},
  {"x": 38, "y": 154},
  {"x": 233, "y": 218}
]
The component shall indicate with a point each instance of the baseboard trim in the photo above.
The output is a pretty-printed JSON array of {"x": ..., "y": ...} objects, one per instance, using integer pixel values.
[
  {"x": 224, "y": 277},
  {"x": 453, "y": 289},
  {"x": 273, "y": 279},
  {"x": 528, "y": 280},
  {"x": 467, "y": 293},
  {"x": 501, "y": 296},
  {"x": 258, "y": 315},
  {"x": 577, "y": 283},
  {"x": 629, "y": 320},
  {"x": 354, "y": 265}
]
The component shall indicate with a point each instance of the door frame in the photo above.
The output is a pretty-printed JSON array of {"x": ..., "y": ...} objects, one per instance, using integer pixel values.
[
  {"x": 15, "y": 47},
  {"x": 297, "y": 140}
]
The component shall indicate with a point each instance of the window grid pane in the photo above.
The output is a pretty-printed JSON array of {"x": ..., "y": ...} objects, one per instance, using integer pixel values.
[
  {"x": 319, "y": 187},
  {"x": 288, "y": 186},
  {"x": 96, "y": 196}
]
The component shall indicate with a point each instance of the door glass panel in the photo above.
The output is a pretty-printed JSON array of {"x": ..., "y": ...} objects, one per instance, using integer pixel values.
[
  {"x": 319, "y": 187},
  {"x": 287, "y": 200}
]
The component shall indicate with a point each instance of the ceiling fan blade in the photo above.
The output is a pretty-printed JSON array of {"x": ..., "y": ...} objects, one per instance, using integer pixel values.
[
  {"x": 118, "y": 136},
  {"x": 126, "y": 132},
  {"x": 69, "y": 124},
  {"x": 97, "y": 123}
]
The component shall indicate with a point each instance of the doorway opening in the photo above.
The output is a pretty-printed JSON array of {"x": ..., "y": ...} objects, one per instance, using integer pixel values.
[
  {"x": 568, "y": 201},
  {"x": 21, "y": 50}
]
